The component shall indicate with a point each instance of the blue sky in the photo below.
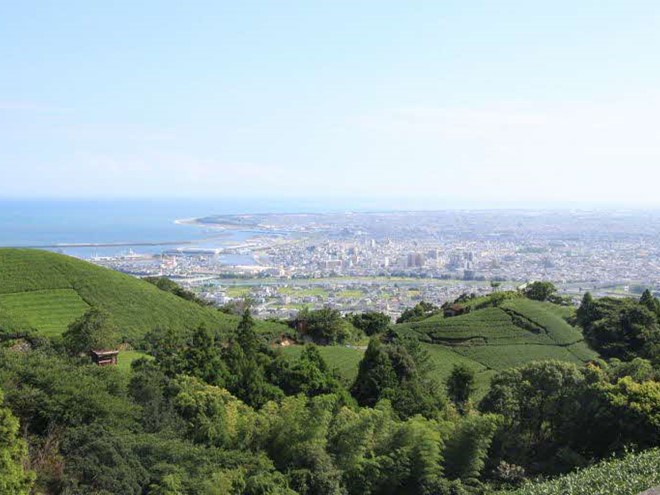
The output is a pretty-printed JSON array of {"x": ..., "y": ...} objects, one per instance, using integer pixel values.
[{"x": 440, "y": 101}]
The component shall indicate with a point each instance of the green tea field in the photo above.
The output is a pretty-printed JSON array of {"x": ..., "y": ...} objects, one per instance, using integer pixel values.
[
  {"x": 502, "y": 357},
  {"x": 492, "y": 326},
  {"x": 631, "y": 475},
  {"x": 44, "y": 292},
  {"x": 496, "y": 338},
  {"x": 347, "y": 359},
  {"x": 487, "y": 340},
  {"x": 550, "y": 317},
  {"x": 49, "y": 310},
  {"x": 444, "y": 358}
]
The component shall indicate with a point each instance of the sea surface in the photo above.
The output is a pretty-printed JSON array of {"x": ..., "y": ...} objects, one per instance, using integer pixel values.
[
  {"x": 148, "y": 226},
  {"x": 144, "y": 226}
]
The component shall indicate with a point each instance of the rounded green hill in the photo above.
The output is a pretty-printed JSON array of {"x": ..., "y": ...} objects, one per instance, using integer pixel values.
[{"x": 44, "y": 292}]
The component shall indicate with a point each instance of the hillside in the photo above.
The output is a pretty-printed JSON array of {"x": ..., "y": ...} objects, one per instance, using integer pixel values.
[
  {"x": 487, "y": 340},
  {"x": 496, "y": 338},
  {"x": 46, "y": 291}
]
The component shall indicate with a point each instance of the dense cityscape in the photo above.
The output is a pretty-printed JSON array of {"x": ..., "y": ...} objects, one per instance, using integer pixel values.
[{"x": 389, "y": 261}]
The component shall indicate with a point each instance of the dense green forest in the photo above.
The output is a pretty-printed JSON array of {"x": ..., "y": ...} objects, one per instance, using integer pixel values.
[{"x": 442, "y": 402}]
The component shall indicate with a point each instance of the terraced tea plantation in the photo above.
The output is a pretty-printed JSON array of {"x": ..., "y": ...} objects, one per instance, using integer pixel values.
[
  {"x": 492, "y": 326},
  {"x": 49, "y": 310},
  {"x": 347, "y": 360},
  {"x": 502, "y": 357},
  {"x": 550, "y": 317},
  {"x": 44, "y": 292},
  {"x": 444, "y": 358},
  {"x": 496, "y": 338},
  {"x": 487, "y": 340}
]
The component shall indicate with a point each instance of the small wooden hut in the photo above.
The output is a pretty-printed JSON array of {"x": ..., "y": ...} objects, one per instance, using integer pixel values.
[{"x": 105, "y": 357}]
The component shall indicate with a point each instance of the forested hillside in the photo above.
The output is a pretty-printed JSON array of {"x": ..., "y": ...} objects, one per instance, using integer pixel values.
[{"x": 486, "y": 395}]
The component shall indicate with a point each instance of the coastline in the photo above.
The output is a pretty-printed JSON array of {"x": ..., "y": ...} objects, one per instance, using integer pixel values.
[{"x": 188, "y": 221}]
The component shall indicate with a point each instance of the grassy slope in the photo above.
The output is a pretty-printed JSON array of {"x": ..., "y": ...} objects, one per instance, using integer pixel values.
[
  {"x": 46, "y": 291},
  {"x": 126, "y": 358},
  {"x": 502, "y": 357},
  {"x": 629, "y": 476},
  {"x": 344, "y": 359},
  {"x": 49, "y": 310}
]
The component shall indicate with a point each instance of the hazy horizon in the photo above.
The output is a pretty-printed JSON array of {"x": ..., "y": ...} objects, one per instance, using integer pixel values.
[{"x": 251, "y": 205}]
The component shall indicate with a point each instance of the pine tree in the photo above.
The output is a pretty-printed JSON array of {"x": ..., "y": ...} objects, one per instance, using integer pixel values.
[
  {"x": 585, "y": 311},
  {"x": 203, "y": 358},
  {"x": 93, "y": 330},
  {"x": 246, "y": 336},
  {"x": 460, "y": 386},
  {"x": 650, "y": 302},
  {"x": 376, "y": 376}
]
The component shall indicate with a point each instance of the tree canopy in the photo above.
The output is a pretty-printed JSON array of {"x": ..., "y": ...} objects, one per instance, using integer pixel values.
[
  {"x": 397, "y": 370},
  {"x": 621, "y": 328},
  {"x": 539, "y": 291},
  {"x": 230, "y": 413},
  {"x": 418, "y": 312},
  {"x": 372, "y": 322},
  {"x": 461, "y": 386},
  {"x": 325, "y": 325},
  {"x": 14, "y": 478},
  {"x": 92, "y": 331}
]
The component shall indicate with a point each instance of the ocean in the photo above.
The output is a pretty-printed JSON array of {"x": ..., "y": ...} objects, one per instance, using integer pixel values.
[{"x": 133, "y": 223}]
